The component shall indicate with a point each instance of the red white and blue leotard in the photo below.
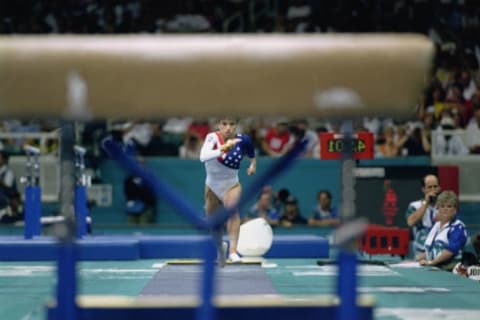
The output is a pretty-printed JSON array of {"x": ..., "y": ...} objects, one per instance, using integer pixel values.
[{"x": 222, "y": 169}]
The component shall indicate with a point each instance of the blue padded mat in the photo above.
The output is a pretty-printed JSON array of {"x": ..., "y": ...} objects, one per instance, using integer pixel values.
[
  {"x": 283, "y": 246},
  {"x": 45, "y": 248},
  {"x": 132, "y": 247}
]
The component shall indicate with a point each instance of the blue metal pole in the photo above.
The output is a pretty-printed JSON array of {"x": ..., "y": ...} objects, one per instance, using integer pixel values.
[
  {"x": 347, "y": 285},
  {"x": 347, "y": 260},
  {"x": 29, "y": 212},
  {"x": 66, "y": 282},
  {"x": 206, "y": 310},
  {"x": 81, "y": 210},
  {"x": 37, "y": 209},
  {"x": 67, "y": 255}
]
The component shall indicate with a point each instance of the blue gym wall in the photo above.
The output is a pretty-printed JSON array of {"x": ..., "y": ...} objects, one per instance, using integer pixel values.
[{"x": 304, "y": 179}]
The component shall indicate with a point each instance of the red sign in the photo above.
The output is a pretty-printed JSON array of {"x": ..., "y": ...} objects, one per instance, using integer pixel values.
[
  {"x": 390, "y": 203},
  {"x": 331, "y": 146}
]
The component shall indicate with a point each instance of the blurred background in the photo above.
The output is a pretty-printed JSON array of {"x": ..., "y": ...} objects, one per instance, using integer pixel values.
[{"x": 443, "y": 130}]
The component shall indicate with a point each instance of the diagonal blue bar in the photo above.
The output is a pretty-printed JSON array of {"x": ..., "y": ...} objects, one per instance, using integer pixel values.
[{"x": 161, "y": 188}]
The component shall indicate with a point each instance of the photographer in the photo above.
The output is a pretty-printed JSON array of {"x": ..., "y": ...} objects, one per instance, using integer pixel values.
[{"x": 421, "y": 214}]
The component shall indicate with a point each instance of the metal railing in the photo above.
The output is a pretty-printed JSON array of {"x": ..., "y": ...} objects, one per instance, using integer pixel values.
[
  {"x": 49, "y": 162},
  {"x": 42, "y": 137}
]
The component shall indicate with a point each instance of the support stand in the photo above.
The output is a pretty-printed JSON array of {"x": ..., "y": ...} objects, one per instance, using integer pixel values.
[{"x": 33, "y": 194}]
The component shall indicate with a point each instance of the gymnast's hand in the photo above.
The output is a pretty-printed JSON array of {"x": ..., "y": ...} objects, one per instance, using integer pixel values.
[
  {"x": 251, "y": 169},
  {"x": 229, "y": 144}
]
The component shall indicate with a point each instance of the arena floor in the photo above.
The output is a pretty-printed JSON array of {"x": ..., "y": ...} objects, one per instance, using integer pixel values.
[{"x": 401, "y": 291}]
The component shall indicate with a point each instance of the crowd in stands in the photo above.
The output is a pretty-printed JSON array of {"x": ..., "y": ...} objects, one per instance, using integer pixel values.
[
  {"x": 450, "y": 17},
  {"x": 281, "y": 208},
  {"x": 445, "y": 122}
]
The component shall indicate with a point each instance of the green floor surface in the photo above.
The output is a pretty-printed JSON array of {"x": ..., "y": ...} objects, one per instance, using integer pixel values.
[{"x": 400, "y": 292}]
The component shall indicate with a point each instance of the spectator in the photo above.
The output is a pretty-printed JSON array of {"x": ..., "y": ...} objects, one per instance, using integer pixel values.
[
  {"x": 141, "y": 200},
  {"x": 276, "y": 140},
  {"x": 446, "y": 141},
  {"x": 292, "y": 216},
  {"x": 446, "y": 240},
  {"x": 420, "y": 214},
  {"x": 194, "y": 138},
  {"x": 190, "y": 149},
  {"x": 263, "y": 208},
  {"x": 387, "y": 146},
  {"x": 402, "y": 137},
  {"x": 324, "y": 214},
  {"x": 280, "y": 199},
  {"x": 10, "y": 201},
  {"x": 140, "y": 134},
  {"x": 472, "y": 134},
  {"x": 299, "y": 131},
  {"x": 159, "y": 145},
  {"x": 417, "y": 143}
]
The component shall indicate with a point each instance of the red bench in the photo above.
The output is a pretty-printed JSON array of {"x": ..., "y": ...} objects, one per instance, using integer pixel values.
[{"x": 385, "y": 240}]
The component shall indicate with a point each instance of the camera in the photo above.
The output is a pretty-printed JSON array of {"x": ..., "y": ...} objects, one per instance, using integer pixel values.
[{"x": 432, "y": 199}]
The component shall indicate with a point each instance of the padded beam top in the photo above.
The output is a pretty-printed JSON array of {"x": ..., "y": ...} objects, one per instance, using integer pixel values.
[{"x": 207, "y": 75}]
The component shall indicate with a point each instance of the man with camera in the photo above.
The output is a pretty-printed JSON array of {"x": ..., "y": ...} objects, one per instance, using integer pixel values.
[{"x": 421, "y": 213}]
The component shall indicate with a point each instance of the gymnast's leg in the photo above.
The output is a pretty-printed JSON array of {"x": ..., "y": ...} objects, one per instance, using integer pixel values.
[
  {"x": 212, "y": 203},
  {"x": 230, "y": 199}
]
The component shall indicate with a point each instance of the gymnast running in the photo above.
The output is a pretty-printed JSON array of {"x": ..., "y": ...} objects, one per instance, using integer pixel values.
[{"x": 222, "y": 153}]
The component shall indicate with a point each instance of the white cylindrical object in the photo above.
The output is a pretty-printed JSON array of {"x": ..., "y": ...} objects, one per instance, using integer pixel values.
[{"x": 255, "y": 238}]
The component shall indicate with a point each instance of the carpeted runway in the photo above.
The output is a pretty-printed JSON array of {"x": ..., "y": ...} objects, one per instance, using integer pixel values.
[{"x": 230, "y": 280}]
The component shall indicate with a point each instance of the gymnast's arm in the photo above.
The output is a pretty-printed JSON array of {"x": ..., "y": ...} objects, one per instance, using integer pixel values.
[
  {"x": 208, "y": 152},
  {"x": 252, "y": 168}
]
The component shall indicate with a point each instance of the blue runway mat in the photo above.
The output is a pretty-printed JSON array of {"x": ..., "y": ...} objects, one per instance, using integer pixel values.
[{"x": 230, "y": 280}]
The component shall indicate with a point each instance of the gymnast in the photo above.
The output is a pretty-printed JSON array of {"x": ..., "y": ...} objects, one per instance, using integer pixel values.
[{"x": 222, "y": 153}]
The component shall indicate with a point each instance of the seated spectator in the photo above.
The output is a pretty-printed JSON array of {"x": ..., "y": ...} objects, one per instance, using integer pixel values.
[
  {"x": 402, "y": 137},
  {"x": 141, "y": 201},
  {"x": 417, "y": 143},
  {"x": 280, "y": 199},
  {"x": 387, "y": 146},
  {"x": 194, "y": 138},
  {"x": 472, "y": 134},
  {"x": 447, "y": 238},
  {"x": 190, "y": 149},
  {"x": 324, "y": 215},
  {"x": 299, "y": 131},
  {"x": 159, "y": 145},
  {"x": 276, "y": 140},
  {"x": 263, "y": 208},
  {"x": 138, "y": 133},
  {"x": 447, "y": 143},
  {"x": 10, "y": 200},
  {"x": 292, "y": 216}
]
